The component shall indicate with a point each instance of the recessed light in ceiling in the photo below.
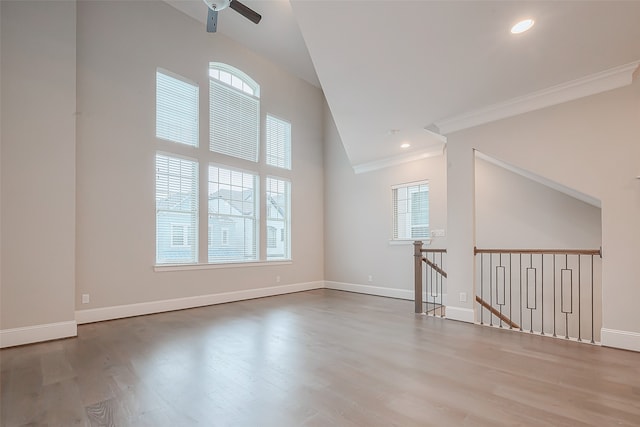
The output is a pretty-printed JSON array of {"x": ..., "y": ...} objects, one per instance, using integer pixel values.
[
  {"x": 405, "y": 145},
  {"x": 522, "y": 26}
]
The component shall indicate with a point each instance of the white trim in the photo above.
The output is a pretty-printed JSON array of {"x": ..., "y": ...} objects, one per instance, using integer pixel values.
[
  {"x": 370, "y": 290},
  {"x": 130, "y": 310},
  {"x": 380, "y": 291},
  {"x": 568, "y": 91},
  {"x": 181, "y": 267},
  {"x": 541, "y": 180},
  {"x": 461, "y": 314},
  {"x": 398, "y": 160},
  {"x": 626, "y": 340},
  {"x": 37, "y": 333}
]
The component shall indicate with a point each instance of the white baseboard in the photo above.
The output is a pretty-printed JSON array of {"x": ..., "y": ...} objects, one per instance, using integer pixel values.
[
  {"x": 37, "y": 333},
  {"x": 370, "y": 290},
  {"x": 620, "y": 339},
  {"x": 382, "y": 291},
  {"x": 130, "y": 310},
  {"x": 461, "y": 314}
]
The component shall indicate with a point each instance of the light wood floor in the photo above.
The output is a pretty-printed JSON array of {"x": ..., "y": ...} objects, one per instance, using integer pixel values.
[{"x": 317, "y": 358}]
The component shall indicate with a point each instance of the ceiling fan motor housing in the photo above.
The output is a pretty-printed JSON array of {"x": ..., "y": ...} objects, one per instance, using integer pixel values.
[{"x": 217, "y": 4}]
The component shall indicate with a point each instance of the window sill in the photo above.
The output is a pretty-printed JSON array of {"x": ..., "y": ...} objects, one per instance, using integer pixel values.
[
  {"x": 392, "y": 242},
  {"x": 186, "y": 267}
]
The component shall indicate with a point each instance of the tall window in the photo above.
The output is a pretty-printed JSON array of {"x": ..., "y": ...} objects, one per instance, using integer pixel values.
[
  {"x": 278, "y": 200},
  {"x": 176, "y": 108},
  {"x": 233, "y": 215},
  {"x": 236, "y": 184},
  {"x": 278, "y": 143},
  {"x": 176, "y": 210},
  {"x": 410, "y": 211}
]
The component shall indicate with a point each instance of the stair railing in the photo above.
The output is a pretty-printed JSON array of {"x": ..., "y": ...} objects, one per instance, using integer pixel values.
[
  {"x": 544, "y": 291},
  {"x": 429, "y": 280}
]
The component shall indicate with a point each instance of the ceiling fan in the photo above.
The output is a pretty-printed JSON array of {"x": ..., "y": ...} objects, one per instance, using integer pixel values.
[{"x": 215, "y": 6}]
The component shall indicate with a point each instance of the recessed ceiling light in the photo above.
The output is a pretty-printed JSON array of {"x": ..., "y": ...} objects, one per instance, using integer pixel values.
[
  {"x": 405, "y": 145},
  {"x": 522, "y": 26}
]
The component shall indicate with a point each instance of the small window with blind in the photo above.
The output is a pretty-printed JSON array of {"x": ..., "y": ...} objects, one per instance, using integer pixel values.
[
  {"x": 176, "y": 210},
  {"x": 411, "y": 211},
  {"x": 176, "y": 108},
  {"x": 233, "y": 215},
  {"x": 234, "y": 112},
  {"x": 278, "y": 143}
]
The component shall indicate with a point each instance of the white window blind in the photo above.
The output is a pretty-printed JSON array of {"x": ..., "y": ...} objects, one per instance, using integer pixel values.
[
  {"x": 234, "y": 119},
  {"x": 278, "y": 200},
  {"x": 233, "y": 215},
  {"x": 176, "y": 210},
  {"x": 411, "y": 211},
  {"x": 278, "y": 151},
  {"x": 176, "y": 109}
]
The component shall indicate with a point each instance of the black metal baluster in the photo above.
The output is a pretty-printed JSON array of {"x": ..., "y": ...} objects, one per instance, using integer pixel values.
[
  {"x": 554, "y": 295},
  {"x": 497, "y": 293},
  {"x": 542, "y": 295},
  {"x": 535, "y": 286},
  {"x": 592, "y": 333},
  {"x": 566, "y": 314},
  {"x": 491, "y": 288},
  {"x": 510, "y": 291},
  {"x": 481, "y": 287},
  {"x": 441, "y": 286},
  {"x": 521, "y": 308},
  {"x": 429, "y": 286},
  {"x": 579, "y": 298}
]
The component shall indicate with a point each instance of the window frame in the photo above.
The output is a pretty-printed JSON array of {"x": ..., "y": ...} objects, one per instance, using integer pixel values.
[
  {"x": 287, "y": 149},
  {"x": 195, "y": 212},
  {"x": 196, "y": 107},
  {"x": 409, "y": 218},
  {"x": 286, "y": 220},
  {"x": 255, "y": 218},
  {"x": 204, "y": 156}
]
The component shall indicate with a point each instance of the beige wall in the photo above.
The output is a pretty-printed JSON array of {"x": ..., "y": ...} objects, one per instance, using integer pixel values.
[
  {"x": 38, "y": 163},
  {"x": 513, "y": 211},
  {"x": 120, "y": 45},
  {"x": 591, "y": 145},
  {"x": 358, "y": 220}
]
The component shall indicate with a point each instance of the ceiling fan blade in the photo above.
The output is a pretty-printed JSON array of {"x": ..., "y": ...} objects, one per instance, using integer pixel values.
[
  {"x": 245, "y": 11},
  {"x": 212, "y": 20}
]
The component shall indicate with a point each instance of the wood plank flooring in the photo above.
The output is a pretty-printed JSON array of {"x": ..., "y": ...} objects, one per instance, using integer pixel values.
[{"x": 317, "y": 358}]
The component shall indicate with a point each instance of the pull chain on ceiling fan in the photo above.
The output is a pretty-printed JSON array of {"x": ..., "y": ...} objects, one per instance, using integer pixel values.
[{"x": 215, "y": 6}]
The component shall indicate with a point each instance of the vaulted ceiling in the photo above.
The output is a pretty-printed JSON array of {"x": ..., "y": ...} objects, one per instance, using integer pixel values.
[{"x": 391, "y": 68}]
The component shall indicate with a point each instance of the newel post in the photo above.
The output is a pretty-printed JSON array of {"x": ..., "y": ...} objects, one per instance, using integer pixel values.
[{"x": 417, "y": 254}]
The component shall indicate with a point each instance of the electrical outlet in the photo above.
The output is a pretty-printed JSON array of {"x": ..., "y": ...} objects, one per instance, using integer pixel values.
[
  {"x": 277, "y": 279},
  {"x": 370, "y": 278},
  {"x": 85, "y": 298},
  {"x": 463, "y": 297},
  {"x": 438, "y": 233}
]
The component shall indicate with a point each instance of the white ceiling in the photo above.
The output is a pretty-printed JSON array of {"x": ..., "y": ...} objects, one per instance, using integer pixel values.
[{"x": 405, "y": 65}]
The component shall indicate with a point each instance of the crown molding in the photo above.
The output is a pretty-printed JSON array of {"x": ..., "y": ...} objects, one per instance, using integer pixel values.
[
  {"x": 398, "y": 160},
  {"x": 574, "y": 89}
]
